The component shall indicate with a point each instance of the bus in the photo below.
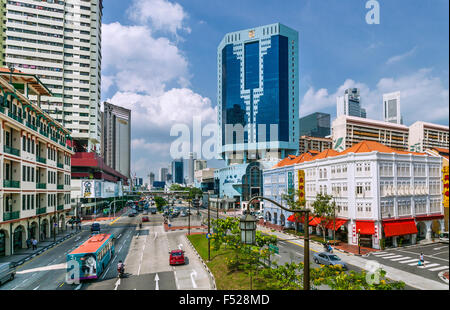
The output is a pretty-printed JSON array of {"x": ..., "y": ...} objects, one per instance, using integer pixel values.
[{"x": 93, "y": 256}]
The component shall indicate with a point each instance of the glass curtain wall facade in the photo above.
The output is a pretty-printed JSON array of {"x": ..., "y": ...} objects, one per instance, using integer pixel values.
[
  {"x": 315, "y": 125},
  {"x": 258, "y": 92}
]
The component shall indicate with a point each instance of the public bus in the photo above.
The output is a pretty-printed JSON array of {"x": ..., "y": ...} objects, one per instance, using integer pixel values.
[{"x": 92, "y": 256}]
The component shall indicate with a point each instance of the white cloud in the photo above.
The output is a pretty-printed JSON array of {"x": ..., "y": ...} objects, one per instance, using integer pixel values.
[
  {"x": 162, "y": 14},
  {"x": 423, "y": 97},
  {"x": 400, "y": 57},
  {"x": 135, "y": 61}
]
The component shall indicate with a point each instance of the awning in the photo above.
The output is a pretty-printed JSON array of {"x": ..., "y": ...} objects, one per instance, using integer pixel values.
[
  {"x": 365, "y": 227},
  {"x": 339, "y": 223},
  {"x": 399, "y": 228},
  {"x": 315, "y": 221},
  {"x": 297, "y": 218}
]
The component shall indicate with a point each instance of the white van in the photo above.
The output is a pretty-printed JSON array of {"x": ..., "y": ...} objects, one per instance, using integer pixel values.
[
  {"x": 444, "y": 237},
  {"x": 7, "y": 272}
]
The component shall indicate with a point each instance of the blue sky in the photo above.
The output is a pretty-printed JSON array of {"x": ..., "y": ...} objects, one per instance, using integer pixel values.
[{"x": 160, "y": 59}]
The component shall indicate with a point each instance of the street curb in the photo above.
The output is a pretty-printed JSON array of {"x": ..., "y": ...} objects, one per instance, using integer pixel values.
[
  {"x": 441, "y": 276},
  {"x": 21, "y": 262},
  {"x": 214, "y": 287}
]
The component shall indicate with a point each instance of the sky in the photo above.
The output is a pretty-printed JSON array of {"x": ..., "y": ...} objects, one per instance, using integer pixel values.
[{"x": 159, "y": 59}]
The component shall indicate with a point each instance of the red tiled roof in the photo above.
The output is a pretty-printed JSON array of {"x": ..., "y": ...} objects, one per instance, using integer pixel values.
[{"x": 361, "y": 147}]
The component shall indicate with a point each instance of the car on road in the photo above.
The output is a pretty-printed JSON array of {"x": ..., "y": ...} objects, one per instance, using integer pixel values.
[
  {"x": 444, "y": 237},
  {"x": 176, "y": 257},
  {"x": 131, "y": 214},
  {"x": 145, "y": 219},
  {"x": 7, "y": 272},
  {"x": 95, "y": 227},
  {"x": 153, "y": 210},
  {"x": 325, "y": 258}
]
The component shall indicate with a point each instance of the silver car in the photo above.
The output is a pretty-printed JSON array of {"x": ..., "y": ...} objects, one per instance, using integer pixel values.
[
  {"x": 7, "y": 272},
  {"x": 325, "y": 258}
]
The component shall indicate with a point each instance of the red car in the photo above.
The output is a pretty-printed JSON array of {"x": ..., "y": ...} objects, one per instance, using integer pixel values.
[
  {"x": 176, "y": 257},
  {"x": 145, "y": 219}
]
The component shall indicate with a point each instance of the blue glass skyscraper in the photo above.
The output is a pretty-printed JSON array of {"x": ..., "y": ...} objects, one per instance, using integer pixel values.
[{"x": 258, "y": 92}]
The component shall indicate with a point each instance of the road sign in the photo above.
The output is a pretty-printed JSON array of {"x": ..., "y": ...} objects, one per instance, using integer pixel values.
[
  {"x": 208, "y": 235},
  {"x": 274, "y": 248}
]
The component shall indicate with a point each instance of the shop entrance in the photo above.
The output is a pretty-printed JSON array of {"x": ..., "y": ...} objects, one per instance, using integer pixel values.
[{"x": 366, "y": 241}]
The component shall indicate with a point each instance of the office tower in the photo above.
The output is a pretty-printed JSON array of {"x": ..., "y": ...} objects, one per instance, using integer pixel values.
[
  {"x": 315, "y": 125},
  {"x": 60, "y": 42},
  {"x": 151, "y": 179},
  {"x": 178, "y": 171},
  {"x": 163, "y": 174},
  {"x": 350, "y": 104},
  {"x": 116, "y": 136},
  {"x": 314, "y": 144},
  {"x": 258, "y": 99},
  {"x": 391, "y": 108},
  {"x": 199, "y": 164},
  {"x": 190, "y": 176}
]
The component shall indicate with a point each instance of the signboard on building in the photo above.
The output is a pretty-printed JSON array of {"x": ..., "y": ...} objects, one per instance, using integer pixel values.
[
  {"x": 290, "y": 180},
  {"x": 445, "y": 188},
  {"x": 91, "y": 189},
  {"x": 301, "y": 184}
]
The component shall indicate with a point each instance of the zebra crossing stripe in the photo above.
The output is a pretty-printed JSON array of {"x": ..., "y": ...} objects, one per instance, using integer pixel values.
[
  {"x": 378, "y": 253},
  {"x": 389, "y": 257},
  {"x": 402, "y": 258},
  {"x": 410, "y": 260},
  {"x": 438, "y": 268},
  {"x": 389, "y": 254},
  {"x": 416, "y": 263},
  {"x": 431, "y": 265}
]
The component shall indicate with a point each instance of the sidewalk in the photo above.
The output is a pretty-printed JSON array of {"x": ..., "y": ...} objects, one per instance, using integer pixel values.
[
  {"x": 410, "y": 279},
  {"x": 22, "y": 255}
]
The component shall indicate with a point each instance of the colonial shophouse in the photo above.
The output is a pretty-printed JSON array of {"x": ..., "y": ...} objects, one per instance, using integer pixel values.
[
  {"x": 35, "y": 154},
  {"x": 379, "y": 191}
]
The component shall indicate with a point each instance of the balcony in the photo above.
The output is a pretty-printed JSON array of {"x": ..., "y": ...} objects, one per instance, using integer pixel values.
[
  {"x": 16, "y": 117},
  {"x": 60, "y": 186},
  {"x": 11, "y": 150},
  {"x": 41, "y": 159},
  {"x": 60, "y": 207},
  {"x": 29, "y": 125},
  {"x": 10, "y": 183},
  {"x": 11, "y": 215},
  {"x": 43, "y": 133},
  {"x": 54, "y": 139},
  {"x": 41, "y": 186},
  {"x": 59, "y": 165},
  {"x": 41, "y": 211}
]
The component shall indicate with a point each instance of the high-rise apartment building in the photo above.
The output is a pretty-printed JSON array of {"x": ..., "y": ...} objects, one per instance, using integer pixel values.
[
  {"x": 60, "y": 42},
  {"x": 200, "y": 164},
  {"x": 258, "y": 101},
  {"x": 116, "y": 136},
  {"x": 423, "y": 135},
  {"x": 314, "y": 144},
  {"x": 315, "y": 125},
  {"x": 391, "y": 108},
  {"x": 190, "y": 176},
  {"x": 350, "y": 104}
]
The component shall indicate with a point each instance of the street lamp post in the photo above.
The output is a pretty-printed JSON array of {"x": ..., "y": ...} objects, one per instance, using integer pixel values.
[
  {"x": 306, "y": 269},
  {"x": 209, "y": 230}
]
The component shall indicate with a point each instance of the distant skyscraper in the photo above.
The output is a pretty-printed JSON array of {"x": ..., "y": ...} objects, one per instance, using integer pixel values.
[
  {"x": 116, "y": 137},
  {"x": 190, "y": 176},
  {"x": 391, "y": 108},
  {"x": 199, "y": 164},
  {"x": 151, "y": 178},
  {"x": 163, "y": 174},
  {"x": 350, "y": 104},
  {"x": 258, "y": 78},
  {"x": 178, "y": 171},
  {"x": 315, "y": 125}
]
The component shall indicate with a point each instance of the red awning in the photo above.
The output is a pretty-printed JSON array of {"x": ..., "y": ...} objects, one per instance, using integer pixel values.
[
  {"x": 315, "y": 221},
  {"x": 339, "y": 223},
  {"x": 365, "y": 227},
  {"x": 297, "y": 218},
  {"x": 399, "y": 228}
]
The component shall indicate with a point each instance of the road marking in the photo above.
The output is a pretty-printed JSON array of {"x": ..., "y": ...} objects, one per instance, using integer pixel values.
[
  {"x": 390, "y": 257},
  {"x": 117, "y": 284},
  {"x": 424, "y": 263},
  {"x": 36, "y": 287},
  {"x": 378, "y": 253},
  {"x": 157, "y": 282},
  {"x": 410, "y": 260},
  {"x": 194, "y": 275},
  {"x": 156, "y": 234},
  {"x": 432, "y": 265},
  {"x": 78, "y": 287},
  {"x": 119, "y": 236},
  {"x": 438, "y": 268},
  {"x": 402, "y": 258},
  {"x": 106, "y": 271},
  {"x": 299, "y": 253},
  {"x": 387, "y": 255},
  {"x": 442, "y": 247}
]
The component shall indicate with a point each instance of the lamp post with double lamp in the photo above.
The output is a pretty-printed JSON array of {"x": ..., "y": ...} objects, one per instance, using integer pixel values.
[{"x": 306, "y": 281}]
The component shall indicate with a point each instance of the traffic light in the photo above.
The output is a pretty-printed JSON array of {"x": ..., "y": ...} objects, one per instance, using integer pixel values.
[{"x": 195, "y": 203}]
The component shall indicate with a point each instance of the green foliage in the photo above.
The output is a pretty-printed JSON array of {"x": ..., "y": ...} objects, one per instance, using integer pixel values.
[
  {"x": 324, "y": 208},
  {"x": 292, "y": 199},
  {"x": 160, "y": 202},
  {"x": 194, "y": 192}
]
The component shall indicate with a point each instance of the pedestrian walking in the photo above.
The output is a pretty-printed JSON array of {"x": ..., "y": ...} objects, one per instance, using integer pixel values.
[
  {"x": 421, "y": 259},
  {"x": 34, "y": 242}
]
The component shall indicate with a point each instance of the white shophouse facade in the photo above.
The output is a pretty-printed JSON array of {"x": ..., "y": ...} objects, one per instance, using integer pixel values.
[{"x": 383, "y": 194}]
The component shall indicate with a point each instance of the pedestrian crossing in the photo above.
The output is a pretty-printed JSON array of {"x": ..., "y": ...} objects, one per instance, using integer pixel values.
[{"x": 409, "y": 261}]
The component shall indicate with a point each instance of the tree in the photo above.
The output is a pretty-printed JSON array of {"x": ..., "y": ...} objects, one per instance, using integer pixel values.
[
  {"x": 294, "y": 202},
  {"x": 160, "y": 202},
  {"x": 323, "y": 209},
  {"x": 194, "y": 192}
]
